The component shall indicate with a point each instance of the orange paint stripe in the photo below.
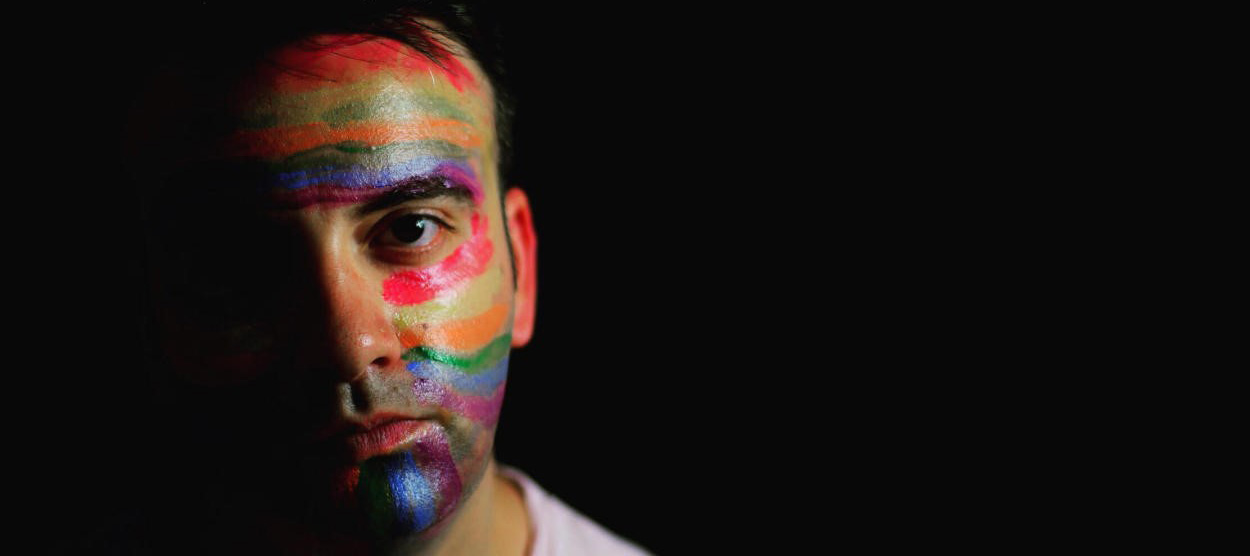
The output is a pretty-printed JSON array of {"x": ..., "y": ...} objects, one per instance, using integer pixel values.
[
  {"x": 276, "y": 142},
  {"x": 458, "y": 335}
]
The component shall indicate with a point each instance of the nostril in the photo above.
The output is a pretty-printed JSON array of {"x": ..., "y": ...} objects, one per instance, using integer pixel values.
[
  {"x": 360, "y": 401},
  {"x": 381, "y": 362}
]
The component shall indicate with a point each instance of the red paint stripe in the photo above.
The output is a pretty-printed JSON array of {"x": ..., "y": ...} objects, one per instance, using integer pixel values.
[
  {"x": 411, "y": 287},
  {"x": 331, "y": 59}
]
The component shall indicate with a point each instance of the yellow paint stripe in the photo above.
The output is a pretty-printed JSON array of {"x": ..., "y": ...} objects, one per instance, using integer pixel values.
[{"x": 478, "y": 298}]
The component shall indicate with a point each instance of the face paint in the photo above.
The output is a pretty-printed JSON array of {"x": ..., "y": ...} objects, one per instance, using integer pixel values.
[
  {"x": 284, "y": 142},
  {"x": 353, "y": 134},
  {"x": 469, "y": 261},
  {"x": 407, "y": 492},
  {"x": 460, "y": 335},
  {"x": 346, "y": 58},
  {"x": 476, "y": 298}
]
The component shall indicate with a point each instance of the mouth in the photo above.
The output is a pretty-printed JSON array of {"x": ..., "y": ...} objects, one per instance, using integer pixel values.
[
  {"x": 384, "y": 436},
  {"x": 353, "y": 442}
]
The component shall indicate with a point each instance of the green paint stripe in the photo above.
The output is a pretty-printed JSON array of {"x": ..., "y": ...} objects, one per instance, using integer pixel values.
[
  {"x": 368, "y": 109},
  {"x": 374, "y": 494},
  {"x": 472, "y": 364}
]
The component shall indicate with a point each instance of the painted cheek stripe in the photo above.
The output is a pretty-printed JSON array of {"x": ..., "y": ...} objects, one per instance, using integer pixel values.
[
  {"x": 410, "y": 287},
  {"x": 281, "y": 142},
  {"x": 396, "y": 495},
  {"x": 480, "y": 409},
  {"x": 480, "y": 384},
  {"x": 461, "y": 335},
  {"x": 472, "y": 364},
  {"x": 473, "y": 300}
]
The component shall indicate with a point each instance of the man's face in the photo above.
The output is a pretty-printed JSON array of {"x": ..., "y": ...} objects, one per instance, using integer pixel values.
[{"x": 336, "y": 287}]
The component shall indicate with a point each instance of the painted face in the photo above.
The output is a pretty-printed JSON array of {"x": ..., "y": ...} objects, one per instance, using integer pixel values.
[{"x": 338, "y": 286}]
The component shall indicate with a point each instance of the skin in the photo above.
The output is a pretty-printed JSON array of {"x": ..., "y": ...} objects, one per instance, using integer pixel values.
[{"x": 357, "y": 273}]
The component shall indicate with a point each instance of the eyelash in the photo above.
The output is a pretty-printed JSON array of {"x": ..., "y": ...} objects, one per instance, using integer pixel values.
[{"x": 384, "y": 230}]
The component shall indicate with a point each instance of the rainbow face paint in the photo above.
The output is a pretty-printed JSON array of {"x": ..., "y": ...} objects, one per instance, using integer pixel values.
[{"x": 347, "y": 138}]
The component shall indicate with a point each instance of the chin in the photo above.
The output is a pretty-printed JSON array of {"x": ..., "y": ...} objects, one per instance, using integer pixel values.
[{"x": 413, "y": 494}]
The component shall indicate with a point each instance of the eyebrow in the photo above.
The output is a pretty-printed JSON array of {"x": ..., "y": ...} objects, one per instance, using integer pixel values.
[
  {"x": 415, "y": 188},
  {"x": 376, "y": 190}
]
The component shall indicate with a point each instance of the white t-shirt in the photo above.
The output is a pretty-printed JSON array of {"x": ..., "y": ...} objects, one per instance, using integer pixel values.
[{"x": 558, "y": 530}]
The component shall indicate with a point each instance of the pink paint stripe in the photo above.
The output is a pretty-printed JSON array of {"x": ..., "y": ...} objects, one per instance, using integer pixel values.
[
  {"x": 483, "y": 410},
  {"x": 411, "y": 287}
]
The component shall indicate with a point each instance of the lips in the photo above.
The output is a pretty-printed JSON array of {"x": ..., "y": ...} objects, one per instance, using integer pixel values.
[{"x": 384, "y": 437}]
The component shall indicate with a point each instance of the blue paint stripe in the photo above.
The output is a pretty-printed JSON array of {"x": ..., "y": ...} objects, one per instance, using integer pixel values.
[
  {"x": 481, "y": 384},
  {"x": 365, "y": 176},
  {"x": 414, "y": 497}
]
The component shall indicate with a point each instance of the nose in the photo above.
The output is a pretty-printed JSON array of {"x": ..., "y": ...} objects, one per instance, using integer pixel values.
[{"x": 353, "y": 337}]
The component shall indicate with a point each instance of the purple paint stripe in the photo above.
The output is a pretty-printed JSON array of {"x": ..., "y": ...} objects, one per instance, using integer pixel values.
[
  {"x": 453, "y": 172},
  {"x": 482, "y": 409},
  {"x": 325, "y": 194},
  {"x": 432, "y": 453}
]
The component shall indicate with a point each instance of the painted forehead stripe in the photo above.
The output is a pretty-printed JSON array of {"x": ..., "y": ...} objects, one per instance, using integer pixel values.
[
  {"x": 360, "y": 185},
  {"x": 338, "y": 57},
  {"x": 365, "y": 176},
  {"x": 281, "y": 142}
]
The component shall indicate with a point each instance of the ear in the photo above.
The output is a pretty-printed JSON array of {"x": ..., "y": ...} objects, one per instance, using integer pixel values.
[{"x": 520, "y": 223}]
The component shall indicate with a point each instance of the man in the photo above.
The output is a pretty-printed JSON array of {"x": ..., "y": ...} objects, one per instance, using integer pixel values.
[{"x": 338, "y": 274}]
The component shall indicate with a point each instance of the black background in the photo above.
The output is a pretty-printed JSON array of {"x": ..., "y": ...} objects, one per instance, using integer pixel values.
[
  {"x": 678, "y": 289},
  {"x": 800, "y": 273}
]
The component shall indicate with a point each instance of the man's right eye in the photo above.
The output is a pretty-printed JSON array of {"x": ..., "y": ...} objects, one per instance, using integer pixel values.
[{"x": 412, "y": 230}]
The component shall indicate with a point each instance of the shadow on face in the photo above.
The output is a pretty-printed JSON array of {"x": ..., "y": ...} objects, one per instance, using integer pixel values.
[{"x": 333, "y": 286}]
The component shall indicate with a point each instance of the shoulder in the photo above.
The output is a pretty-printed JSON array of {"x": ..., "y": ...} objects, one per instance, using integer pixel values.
[{"x": 559, "y": 530}]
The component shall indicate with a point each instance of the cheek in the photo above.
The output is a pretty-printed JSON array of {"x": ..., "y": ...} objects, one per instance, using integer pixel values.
[
  {"x": 466, "y": 263},
  {"x": 456, "y": 339}
]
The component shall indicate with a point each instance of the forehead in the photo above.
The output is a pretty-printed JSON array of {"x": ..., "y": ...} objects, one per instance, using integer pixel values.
[
  {"x": 340, "y": 78},
  {"x": 354, "y": 91},
  {"x": 339, "y": 111}
]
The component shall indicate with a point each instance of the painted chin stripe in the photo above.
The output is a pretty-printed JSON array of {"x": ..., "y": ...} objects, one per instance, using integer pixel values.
[
  {"x": 281, "y": 142},
  {"x": 396, "y": 495},
  {"x": 433, "y": 453},
  {"x": 414, "y": 499},
  {"x": 481, "y": 384},
  {"x": 469, "y": 260},
  {"x": 461, "y": 335}
]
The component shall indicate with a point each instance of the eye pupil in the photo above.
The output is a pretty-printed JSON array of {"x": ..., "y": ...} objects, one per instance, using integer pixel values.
[{"x": 410, "y": 228}]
